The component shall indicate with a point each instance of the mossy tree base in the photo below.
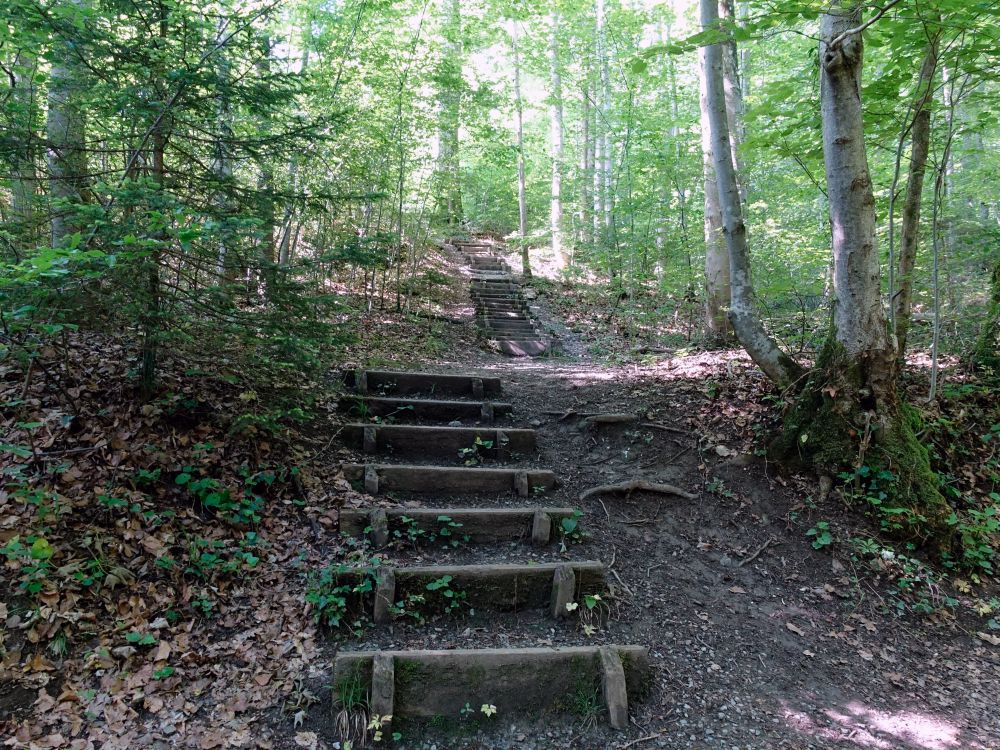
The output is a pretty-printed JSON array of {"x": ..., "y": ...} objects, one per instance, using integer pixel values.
[
  {"x": 849, "y": 415},
  {"x": 986, "y": 356}
]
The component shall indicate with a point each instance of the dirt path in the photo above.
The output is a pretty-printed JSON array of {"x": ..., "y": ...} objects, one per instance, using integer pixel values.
[{"x": 757, "y": 640}]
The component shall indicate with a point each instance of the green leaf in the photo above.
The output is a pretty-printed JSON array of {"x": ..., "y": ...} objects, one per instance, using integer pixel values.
[{"x": 42, "y": 550}]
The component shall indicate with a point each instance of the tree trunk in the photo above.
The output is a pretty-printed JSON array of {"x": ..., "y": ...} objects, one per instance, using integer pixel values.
[
  {"x": 734, "y": 96},
  {"x": 559, "y": 251},
  {"x": 66, "y": 128},
  {"x": 850, "y": 415},
  {"x": 586, "y": 165},
  {"x": 151, "y": 319},
  {"x": 222, "y": 166},
  {"x": 920, "y": 144},
  {"x": 986, "y": 357},
  {"x": 743, "y": 314},
  {"x": 717, "y": 285},
  {"x": 449, "y": 113},
  {"x": 265, "y": 186},
  {"x": 24, "y": 180},
  {"x": 522, "y": 202}
]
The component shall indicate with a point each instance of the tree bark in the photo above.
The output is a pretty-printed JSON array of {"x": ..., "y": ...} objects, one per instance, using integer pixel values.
[
  {"x": 522, "y": 201},
  {"x": 849, "y": 414},
  {"x": 734, "y": 96},
  {"x": 717, "y": 284},
  {"x": 449, "y": 113},
  {"x": 66, "y": 128},
  {"x": 24, "y": 180},
  {"x": 586, "y": 165},
  {"x": 859, "y": 317},
  {"x": 743, "y": 314},
  {"x": 910, "y": 233},
  {"x": 556, "y": 134}
]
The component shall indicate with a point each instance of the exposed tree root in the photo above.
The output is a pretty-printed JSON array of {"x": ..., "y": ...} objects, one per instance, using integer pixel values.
[{"x": 637, "y": 485}]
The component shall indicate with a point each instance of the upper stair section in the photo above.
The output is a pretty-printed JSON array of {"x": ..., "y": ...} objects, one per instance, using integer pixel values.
[{"x": 502, "y": 312}]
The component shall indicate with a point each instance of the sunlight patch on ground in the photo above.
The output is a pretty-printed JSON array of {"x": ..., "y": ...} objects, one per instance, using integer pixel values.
[{"x": 867, "y": 727}]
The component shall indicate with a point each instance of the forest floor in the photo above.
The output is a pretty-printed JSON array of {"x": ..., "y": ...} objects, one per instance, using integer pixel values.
[{"x": 151, "y": 617}]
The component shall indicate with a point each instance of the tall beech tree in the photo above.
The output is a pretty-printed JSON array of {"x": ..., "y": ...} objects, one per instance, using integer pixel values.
[{"x": 851, "y": 412}]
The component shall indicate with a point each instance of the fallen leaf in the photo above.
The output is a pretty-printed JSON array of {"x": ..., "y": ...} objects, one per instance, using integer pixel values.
[
  {"x": 989, "y": 638},
  {"x": 866, "y": 655},
  {"x": 795, "y": 628},
  {"x": 737, "y": 590}
]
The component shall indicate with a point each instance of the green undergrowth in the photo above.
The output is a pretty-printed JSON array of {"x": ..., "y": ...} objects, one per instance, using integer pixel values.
[{"x": 831, "y": 429}]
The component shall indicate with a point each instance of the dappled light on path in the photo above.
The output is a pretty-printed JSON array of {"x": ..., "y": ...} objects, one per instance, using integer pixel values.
[{"x": 867, "y": 727}]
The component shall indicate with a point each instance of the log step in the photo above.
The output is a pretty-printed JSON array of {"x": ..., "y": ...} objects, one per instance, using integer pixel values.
[
  {"x": 388, "y": 382},
  {"x": 382, "y": 477},
  {"x": 480, "y": 525},
  {"x": 408, "y": 409},
  {"x": 527, "y": 681},
  {"x": 522, "y": 348},
  {"x": 492, "y": 587},
  {"x": 434, "y": 440}
]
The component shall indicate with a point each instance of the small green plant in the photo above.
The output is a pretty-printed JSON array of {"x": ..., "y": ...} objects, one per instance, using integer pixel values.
[
  {"x": 821, "y": 535},
  {"x": 452, "y": 598},
  {"x": 570, "y": 531},
  {"x": 163, "y": 673},
  {"x": 978, "y": 532},
  {"x": 140, "y": 639},
  {"x": 351, "y": 703},
  {"x": 338, "y": 590},
  {"x": 242, "y": 510},
  {"x": 410, "y": 606},
  {"x": 473, "y": 455},
  {"x": 447, "y": 532},
  {"x": 33, "y": 561}
]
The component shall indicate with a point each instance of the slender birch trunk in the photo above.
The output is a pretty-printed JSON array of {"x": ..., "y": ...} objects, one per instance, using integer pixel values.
[
  {"x": 24, "y": 181},
  {"x": 910, "y": 232},
  {"x": 556, "y": 134},
  {"x": 717, "y": 281},
  {"x": 743, "y": 314},
  {"x": 586, "y": 165},
  {"x": 449, "y": 114},
  {"x": 522, "y": 202}
]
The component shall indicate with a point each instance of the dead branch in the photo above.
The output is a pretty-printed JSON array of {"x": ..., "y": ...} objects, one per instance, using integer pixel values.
[
  {"x": 665, "y": 428},
  {"x": 634, "y": 485},
  {"x": 596, "y": 419},
  {"x": 772, "y": 542}
]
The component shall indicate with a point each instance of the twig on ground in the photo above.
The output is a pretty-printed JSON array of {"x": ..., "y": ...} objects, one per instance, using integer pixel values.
[
  {"x": 605, "y": 508},
  {"x": 637, "y": 484},
  {"x": 772, "y": 542},
  {"x": 639, "y": 740},
  {"x": 624, "y": 585},
  {"x": 665, "y": 428}
]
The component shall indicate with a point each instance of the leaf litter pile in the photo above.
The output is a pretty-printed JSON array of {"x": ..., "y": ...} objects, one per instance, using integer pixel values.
[{"x": 155, "y": 558}]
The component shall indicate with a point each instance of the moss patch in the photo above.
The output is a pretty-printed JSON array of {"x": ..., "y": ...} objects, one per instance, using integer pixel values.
[{"x": 845, "y": 418}]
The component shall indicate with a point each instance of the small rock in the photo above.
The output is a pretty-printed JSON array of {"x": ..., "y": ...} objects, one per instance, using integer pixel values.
[
  {"x": 535, "y": 423},
  {"x": 456, "y": 423}
]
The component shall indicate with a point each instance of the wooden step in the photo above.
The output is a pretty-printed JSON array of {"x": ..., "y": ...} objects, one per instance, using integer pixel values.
[
  {"x": 440, "y": 441},
  {"x": 409, "y": 409},
  {"x": 532, "y": 348},
  {"x": 492, "y": 587},
  {"x": 480, "y": 525},
  {"x": 527, "y": 682},
  {"x": 414, "y": 478},
  {"x": 386, "y": 382}
]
